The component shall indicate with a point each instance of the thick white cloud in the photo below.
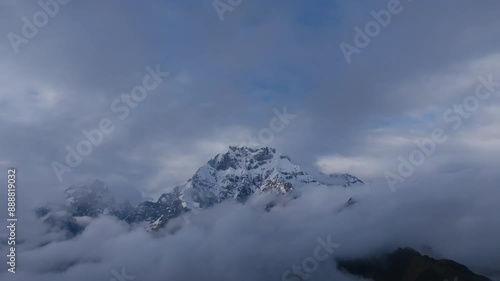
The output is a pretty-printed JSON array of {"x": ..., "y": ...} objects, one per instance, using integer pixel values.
[
  {"x": 437, "y": 216},
  {"x": 226, "y": 79}
]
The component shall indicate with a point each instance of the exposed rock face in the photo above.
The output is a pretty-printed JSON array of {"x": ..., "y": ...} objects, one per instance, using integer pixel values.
[
  {"x": 92, "y": 200},
  {"x": 340, "y": 179},
  {"x": 239, "y": 173},
  {"x": 59, "y": 218},
  {"x": 347, "y": 205},
  {"x": 406, "y": 264},
  {"x": 235, "y": 174},
  {"x": 158, "y": 213}
]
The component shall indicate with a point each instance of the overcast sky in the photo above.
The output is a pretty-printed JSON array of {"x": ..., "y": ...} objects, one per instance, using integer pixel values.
[
  {"x": 232, "y": 73},
  {"x": 228, "y": 71}
]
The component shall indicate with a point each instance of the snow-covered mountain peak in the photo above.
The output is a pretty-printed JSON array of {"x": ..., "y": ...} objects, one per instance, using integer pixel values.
[
  {"x": 235, "y": 174},
  {"x": 240, "y": 172},
  {"x": 90, "y": 199},
  {"x": 247, "y": 158}
]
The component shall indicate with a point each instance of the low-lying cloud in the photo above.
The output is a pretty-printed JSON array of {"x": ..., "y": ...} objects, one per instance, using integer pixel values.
[{"x": 444, "y": 218}]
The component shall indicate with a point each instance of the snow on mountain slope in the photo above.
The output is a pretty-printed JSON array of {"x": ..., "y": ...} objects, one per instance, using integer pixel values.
[
  {"x": 240, "y": 172},
  {"x": 235, "y": 174},
  {"x": 91, "y": 200}
]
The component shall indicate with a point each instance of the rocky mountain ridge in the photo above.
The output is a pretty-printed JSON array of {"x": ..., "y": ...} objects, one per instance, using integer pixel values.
[
  {"x": 233, "y": 175},
  {"x": 406, "y": 264}
]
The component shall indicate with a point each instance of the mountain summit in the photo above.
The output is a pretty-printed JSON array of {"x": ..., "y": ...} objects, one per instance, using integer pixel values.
[
  {"x": 241, "y": 172},
  {"x": 234, "y": 175}
]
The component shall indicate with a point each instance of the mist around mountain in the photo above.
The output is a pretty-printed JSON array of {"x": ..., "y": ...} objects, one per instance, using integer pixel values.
[
  {"x": 234, "y": 175},
  {"x": 253, "y": 214},
  {"x": 405, "y": 264}
]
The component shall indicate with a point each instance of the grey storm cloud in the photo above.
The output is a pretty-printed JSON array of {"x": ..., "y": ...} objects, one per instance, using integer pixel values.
[
  {"x": 435, "y": 216},
  {"x": 226, "y": 77}
]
